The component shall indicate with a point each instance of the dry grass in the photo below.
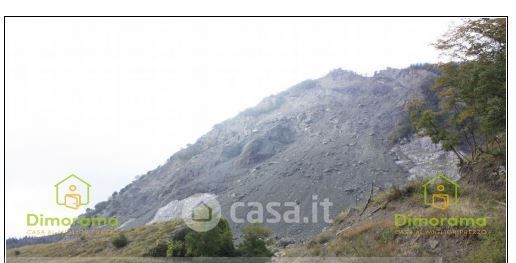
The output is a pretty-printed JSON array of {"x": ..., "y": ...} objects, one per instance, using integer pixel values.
[
  {"x": 99, "y": 243},
  {"x": 411, "y": 190},
  {"x": 365, "y": 226},
  {"x": 375, "y": 234},
  {"x": 341, "y": 217}
]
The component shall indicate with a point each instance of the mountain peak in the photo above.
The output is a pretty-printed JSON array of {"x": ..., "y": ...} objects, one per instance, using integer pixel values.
[{"x": 332, "y": 137}]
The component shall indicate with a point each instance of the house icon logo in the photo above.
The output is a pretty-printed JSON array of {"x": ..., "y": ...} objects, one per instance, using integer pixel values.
[
  {"x": 201, "y": 212},
  {"x": 440, "y": 191},
  {"x": 72, "y": 192}
]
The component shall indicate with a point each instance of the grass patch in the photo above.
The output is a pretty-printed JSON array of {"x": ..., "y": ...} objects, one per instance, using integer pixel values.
[
  {"x": 491, "y": 249},
  {"x": 100, "y": 243},
  {"x": 376, "y": 236},
  {"x": 411, "y": 189},
  {"x": 341, "y": 217}
]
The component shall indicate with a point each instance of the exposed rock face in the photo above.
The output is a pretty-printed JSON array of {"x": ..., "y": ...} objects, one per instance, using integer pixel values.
[
  {"x": 421, "y": 157},
  {"x": 331, "y": 137},
  {"x": 174, "y": 208}
]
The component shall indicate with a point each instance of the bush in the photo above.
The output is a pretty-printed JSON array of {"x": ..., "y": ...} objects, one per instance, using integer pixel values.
[
  {"x": 217, "y": 242},
  {"x": 120, "y": 241},
  {"x": 254, "y": 241},
  {"x": 160, "y": 250},
  {"x": 406, "y": 190},
  {"x": 175, "y": 248}
]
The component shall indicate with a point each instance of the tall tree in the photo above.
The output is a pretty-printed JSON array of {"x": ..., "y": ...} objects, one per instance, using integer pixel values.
[
  {"x": 215, "y": 242},
  {"x": 471, "y": 88}
]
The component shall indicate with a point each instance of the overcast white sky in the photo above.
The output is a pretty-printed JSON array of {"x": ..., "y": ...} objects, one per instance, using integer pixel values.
[{"x": 111, "y": 98}]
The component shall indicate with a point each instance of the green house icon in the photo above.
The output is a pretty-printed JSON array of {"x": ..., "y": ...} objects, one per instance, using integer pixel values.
[
  {"x": 440, "y": 191},
  {"x": 72, "y": 192}
]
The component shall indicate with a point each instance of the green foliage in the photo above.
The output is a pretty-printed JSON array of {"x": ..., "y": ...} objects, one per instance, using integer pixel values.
[
  {"x": 386, "y": 236},
  {"x": 320, "y": 239},
  {"x": 492, "y": 247},
  {"x": 426, "y": 121},
  {"x": 216, "y": 242},
  {"x": 160, "y": 250},
  {"x": 471, "y": 90},
  {"x": 476, "y": 40},
  {"x": 175, "y": 248},
  {"x": 254, "y": 241},
  {"x": 119, "y": 241}
]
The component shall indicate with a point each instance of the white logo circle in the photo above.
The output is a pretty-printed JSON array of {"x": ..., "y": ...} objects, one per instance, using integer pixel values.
[{"x": 201, "y": 212}]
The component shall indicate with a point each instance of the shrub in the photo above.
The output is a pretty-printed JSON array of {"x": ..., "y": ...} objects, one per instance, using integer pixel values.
[
  {"x": 160, "y": 250},
  {"x": 323, "y": 238},
  {"x": 406, "y": 190},
  {"x": 216, "y": 242},
  {"x": 120, "y": 241},
  {"x": 175, "y": 248},
  {"x": 254, "y": 241}
]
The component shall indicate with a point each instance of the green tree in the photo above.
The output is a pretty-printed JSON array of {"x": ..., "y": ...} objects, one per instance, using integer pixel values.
[
  {"x": 471, "y": 89},
  {"x": 253, "y": 244},
  {"x": 426, "y": 121},
  {"x": 175, "y": 248},
  {"x": 215, "y": 242},
  {"x": 159, "y": 250}
]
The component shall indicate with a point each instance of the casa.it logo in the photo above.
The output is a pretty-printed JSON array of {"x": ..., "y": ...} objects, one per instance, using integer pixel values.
[
  {"x": 72, "y": 192},
  {"x": 201, "y": 212},
  {"x": 440, "y": 191}
]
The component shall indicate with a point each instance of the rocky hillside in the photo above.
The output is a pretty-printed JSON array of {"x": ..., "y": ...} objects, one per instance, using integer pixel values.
[
  {"x": 332, "y": 137},
  {"x": 369, "y": 231},
  {"x": 363, "y": 233}
]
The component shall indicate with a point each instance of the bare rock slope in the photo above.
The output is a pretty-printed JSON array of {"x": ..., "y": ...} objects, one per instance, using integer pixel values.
[{"x": 332, "y": 137}]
